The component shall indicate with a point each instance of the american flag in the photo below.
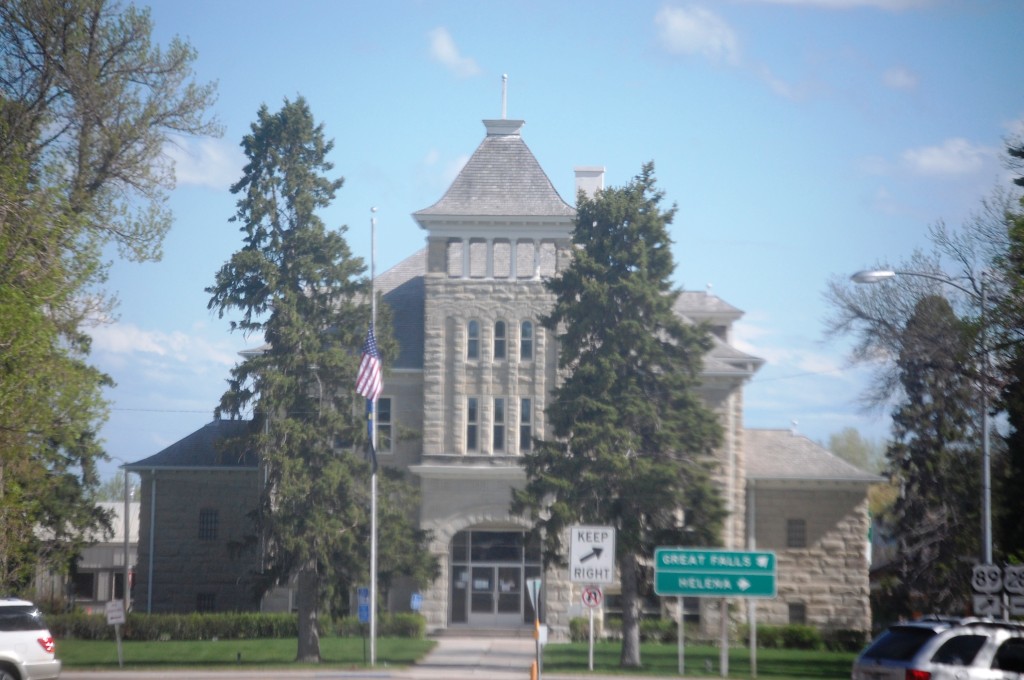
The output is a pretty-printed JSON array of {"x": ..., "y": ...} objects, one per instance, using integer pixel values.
[{"x": 369, "y": 383}]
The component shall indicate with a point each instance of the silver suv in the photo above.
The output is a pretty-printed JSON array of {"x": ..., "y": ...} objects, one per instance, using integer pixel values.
[
  {"x": 945, "y": 649},
  {"x": 26, "y": 646}
]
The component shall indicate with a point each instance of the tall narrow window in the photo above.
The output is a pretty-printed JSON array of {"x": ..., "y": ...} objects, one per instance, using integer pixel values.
[
  {"x": 472, "y": 423},
  {"x": 796, "y": 533},
  {"x": 526, "y": 341},
  {"x": 473, "y": 340},
  {"x": 525, "y": 425},
  {"x": 207, "y": 524},
  {"x": 384, "y": 425},
  {"x": 499, "y": 339},
  {"x": 499, "y": 425}
]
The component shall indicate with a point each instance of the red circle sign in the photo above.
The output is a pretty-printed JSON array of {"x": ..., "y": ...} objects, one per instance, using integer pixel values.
[{"x": 592, "y": 596}]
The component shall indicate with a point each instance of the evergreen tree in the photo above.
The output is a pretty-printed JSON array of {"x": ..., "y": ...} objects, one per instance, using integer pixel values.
[
  {"x": 86, "y": 104},
  {"x": 630, "y": 437},
  {"x": 301, "y": 287},
  {"x": 934, "y": 458},
  {"x": 1009, "y": 348}
]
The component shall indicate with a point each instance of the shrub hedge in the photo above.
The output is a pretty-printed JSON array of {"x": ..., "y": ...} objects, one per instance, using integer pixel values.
[{"x": 224, "y": 626}]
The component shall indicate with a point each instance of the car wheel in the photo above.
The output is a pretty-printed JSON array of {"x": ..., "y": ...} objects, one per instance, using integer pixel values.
[{"x": 5, "y": 675}]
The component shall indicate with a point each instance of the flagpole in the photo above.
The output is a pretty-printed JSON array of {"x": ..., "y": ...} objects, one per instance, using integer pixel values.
[{"x": 373, "y": 443}]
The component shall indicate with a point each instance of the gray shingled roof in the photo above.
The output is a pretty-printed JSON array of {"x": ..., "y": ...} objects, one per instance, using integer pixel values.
[
  {"x": 703, "y": 306},
  {"x": 201, "y": 449},
  {"x": 781, "y": 455},
  {"x": 402, "y": 288},
  {"x": 501, "y": 178}
]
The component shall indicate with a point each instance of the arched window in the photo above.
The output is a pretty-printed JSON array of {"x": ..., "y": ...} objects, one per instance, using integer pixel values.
[
  {"x": 473, "y": 339},
  {"x": 526, "y": 341},
  {"x": 499, "y": 339}
]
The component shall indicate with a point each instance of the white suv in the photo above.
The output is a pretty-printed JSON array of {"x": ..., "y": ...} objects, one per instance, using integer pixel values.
[
  {"x": 945, "y": 649},
  {"x": 26, "y": 646}
]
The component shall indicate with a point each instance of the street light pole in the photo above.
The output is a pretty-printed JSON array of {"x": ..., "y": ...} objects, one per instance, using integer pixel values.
[{"x": 878, "y": 275}]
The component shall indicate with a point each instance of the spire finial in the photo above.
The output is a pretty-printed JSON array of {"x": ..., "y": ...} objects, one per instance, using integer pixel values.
[{"x": 504, "y": 96}]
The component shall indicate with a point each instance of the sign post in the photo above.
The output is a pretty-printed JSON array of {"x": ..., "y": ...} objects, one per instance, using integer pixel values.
[
  {"x": 591, "y": 598},
  {"x": 115, "y": 617}
]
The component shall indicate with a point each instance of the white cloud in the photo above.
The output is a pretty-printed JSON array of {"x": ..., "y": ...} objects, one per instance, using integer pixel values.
[
  {"x": 899, "y": 78},
  {"x": 127, "y": 340},
  {"x": 444, "y": 51},
  {"x": 955, "y": 156},
  {"x": 697, "y": 31},
  {"x": 205, "y": 161}
]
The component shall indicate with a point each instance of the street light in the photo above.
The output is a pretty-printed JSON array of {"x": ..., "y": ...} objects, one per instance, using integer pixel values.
[{"x": 879, "y": 275}]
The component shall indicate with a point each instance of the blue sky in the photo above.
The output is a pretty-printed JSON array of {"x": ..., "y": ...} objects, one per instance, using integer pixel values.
[{"x": 801, "y": 139}]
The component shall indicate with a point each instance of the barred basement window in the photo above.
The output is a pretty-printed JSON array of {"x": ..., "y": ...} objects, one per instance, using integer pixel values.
[
  {"x": 206, "y": 602},
  {"x": 207, "y": 524},
  {"x": 797, "y": 613},
  {"x": 796, "y": 533}
]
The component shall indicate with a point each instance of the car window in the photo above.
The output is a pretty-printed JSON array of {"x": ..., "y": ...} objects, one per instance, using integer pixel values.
[
  {"x": 21, "y": 618},
  {"x": 899, "y": 643},
  {"x": 959, "y": 650},
  {"x": 1010, "y": 656}
]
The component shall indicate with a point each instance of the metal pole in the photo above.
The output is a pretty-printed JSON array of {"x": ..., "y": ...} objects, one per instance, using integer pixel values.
[
  {"x": 125, "y": 589},
  {"x": 373, "y": 443},
  {"x": 986, "y": 454}
]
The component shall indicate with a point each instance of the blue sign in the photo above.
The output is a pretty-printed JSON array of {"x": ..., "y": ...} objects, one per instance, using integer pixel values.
[
  {"x": 363, "y": 597},
  {"x": 416, "y": 602}
]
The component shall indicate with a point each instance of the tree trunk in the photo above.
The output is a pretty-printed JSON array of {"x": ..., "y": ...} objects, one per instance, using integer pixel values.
[
  {"x": 631, "y": 605},
  {"x": 308, "y": 600}
]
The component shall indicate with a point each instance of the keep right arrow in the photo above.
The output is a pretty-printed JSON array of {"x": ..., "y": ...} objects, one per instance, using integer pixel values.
[{"x": 594, "y": 553}]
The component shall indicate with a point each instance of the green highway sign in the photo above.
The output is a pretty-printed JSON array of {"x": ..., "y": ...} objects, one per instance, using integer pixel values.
[{"x": 713, "y": 573}]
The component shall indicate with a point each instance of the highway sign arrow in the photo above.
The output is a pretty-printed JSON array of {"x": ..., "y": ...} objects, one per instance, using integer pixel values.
[{"x": 595, "y": 552}]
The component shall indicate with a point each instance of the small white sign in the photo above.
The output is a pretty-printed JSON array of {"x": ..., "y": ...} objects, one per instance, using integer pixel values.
[
  {"x": 591, "y": 554},
  {"x": 988, "y": 605},
  {"x": 987, "y": 578},
  {"x": 592, "y": 596},
  {"x": 115, "y": 612},
  {"x": 1013, "y": 579},
  {"x": 1016, "y": 605}
]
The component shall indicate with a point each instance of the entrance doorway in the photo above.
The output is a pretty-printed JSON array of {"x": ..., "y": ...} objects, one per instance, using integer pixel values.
[{"x": 489, "y": 570}]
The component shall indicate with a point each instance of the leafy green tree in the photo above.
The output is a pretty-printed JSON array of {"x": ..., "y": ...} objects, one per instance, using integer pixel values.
[
  {"x": 299, "y": 285},
  {"x": 934, "y": 457},
  {"x": 849, "y": 445},
  {"x": 86, "y": 104},
  {"x": 631, "y": 438}
]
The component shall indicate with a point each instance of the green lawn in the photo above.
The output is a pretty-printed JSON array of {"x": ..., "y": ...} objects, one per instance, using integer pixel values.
[
  {"x": 83, "y": 654},
  {"x": 659, "y": 659},
  {"x": 662, "y": 659}
]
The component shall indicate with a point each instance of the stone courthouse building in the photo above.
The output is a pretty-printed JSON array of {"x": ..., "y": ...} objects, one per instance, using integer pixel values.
[{"x": 466, "y": 396}]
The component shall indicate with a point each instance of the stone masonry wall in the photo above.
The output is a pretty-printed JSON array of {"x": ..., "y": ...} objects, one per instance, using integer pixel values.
[{"x": 185, "y": 567}]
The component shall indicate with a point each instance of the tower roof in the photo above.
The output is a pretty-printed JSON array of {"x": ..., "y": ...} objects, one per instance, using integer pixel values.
[{"x": 501, "y": 178}]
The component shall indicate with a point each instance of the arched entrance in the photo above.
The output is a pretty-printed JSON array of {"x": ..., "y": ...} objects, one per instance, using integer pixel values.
[{"x": 489, "y": 570}]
